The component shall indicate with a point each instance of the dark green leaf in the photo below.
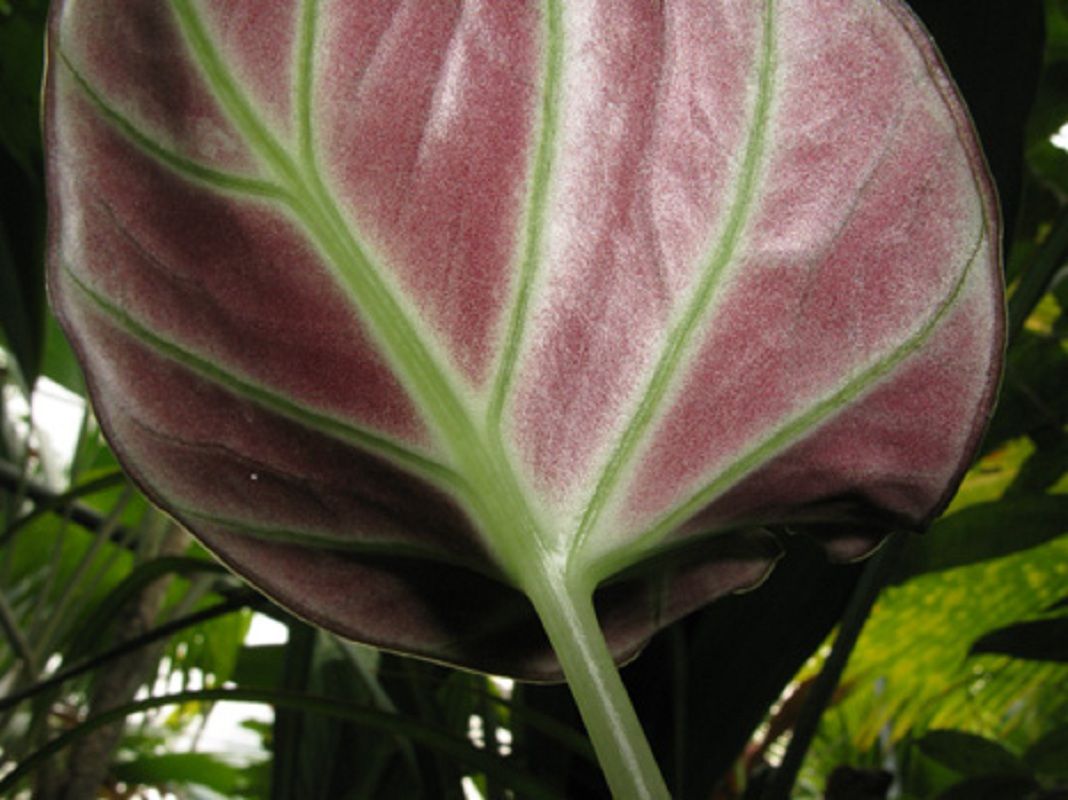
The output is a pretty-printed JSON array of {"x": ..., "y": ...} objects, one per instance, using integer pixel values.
[
  {"x": 259, "y": 666},
  {"x": 63, "y": 503},
  {"x": 1039, "y": 274},
  {"x": 96, "y": 620},
  {"x": 1050, "y": 166},
  {"x": 313, "y": 753},
  {"x": 286, "y": 775},
  {"x": 21, "y": 60},
  {"x": 164, "y": 771},
  {"x": 983, "y": 532},
  {"x": 101, "y": 660},
  {"x": 1049, "y": 755},
  {"x": 22, "y": 216},
  {"x": 1038, "y": 640},
  {"x": 992, "y": 787},
  {"x": 1032, "y": 397},
  {"x": 59, "y": 362},
  {"x": 1051, "y": 104},
  {"x": 1044, "y": 468},
  {"x": 970, "y": 755},
  {"x": 19, "y": 313},
  {"x": 1056, "y": 31}
]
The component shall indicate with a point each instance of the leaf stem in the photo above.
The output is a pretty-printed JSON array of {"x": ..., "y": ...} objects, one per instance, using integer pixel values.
[
  {"x": 567, "y": 613},
  {"x": 864, "y": 596},
  {"x": 1038, "y": 276}
]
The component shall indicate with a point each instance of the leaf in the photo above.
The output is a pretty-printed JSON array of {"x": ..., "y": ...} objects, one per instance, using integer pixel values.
[
  {"x": 986, "y": 531},
  {"x": 22, "y": 306},
  {"x": 169, "y": 769},
  {"x": 1033, "y": 397},
  {"x": 1037, "y": 640},
  {"x": 17, "y": 329},
  {"x": 966, "y": 36},
  {"x": 1047, "y": 755},
  {"x": 421, "y": 318},
  {"x": 94, "y": 622},
  {"x": 992, "y": 787},
  {"x": 720, "y": 699},
  {"x": 459, "y": 749},
  {"x": 1039, "y": 275},
  {"x": 21, "y": 65},
  {"x": 259, "y": 666},
  {"x": 911, "y": 667},
  {"x": 969, "y": 755},
  {"x": 58, "y": 361}
]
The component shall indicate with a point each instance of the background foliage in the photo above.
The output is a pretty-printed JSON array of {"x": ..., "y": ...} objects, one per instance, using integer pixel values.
[{"x": 123, "y": 641}]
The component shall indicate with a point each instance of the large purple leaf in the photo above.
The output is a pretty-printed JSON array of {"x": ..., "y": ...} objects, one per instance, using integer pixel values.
[{"x": 402, "y": 306}]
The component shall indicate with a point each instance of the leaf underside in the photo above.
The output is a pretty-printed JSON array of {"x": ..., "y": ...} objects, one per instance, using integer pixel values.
[{"x": 383, "y": 300}]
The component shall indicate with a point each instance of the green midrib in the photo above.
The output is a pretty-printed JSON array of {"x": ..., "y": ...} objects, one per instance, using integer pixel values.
[
  {"x": 501, "y": 506},
  {"x": 479, "y": 458},
  {"x": 482, "y": 475}
]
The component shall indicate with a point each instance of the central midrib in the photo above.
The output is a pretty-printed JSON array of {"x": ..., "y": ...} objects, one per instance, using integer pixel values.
[{"x": 501, "y": 506}]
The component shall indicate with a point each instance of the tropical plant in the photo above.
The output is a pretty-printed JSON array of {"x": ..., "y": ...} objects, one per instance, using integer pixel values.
[{"x": 183, "y": 198}]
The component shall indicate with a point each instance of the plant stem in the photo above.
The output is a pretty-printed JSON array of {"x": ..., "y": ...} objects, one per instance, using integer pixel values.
[
  {"x": 570, "y": 621},
  {"x": 384, "y": 722},
  {"x": 239, "y": 600},
  {"x": 864, "y": 596},
  {"x": 19, "y": 644}
]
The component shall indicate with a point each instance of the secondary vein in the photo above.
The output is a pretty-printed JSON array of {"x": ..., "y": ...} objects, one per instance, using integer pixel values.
[
  {"x": 325, "y": 541},
  {"x": 681, "y": 335},
  {"x": 305, "y": 76},
  {"x": 535, "y": 221},
  {"x": 189, "y": 168},
  {"x": 230, "y": 97},
  {"x": 420, "y": 367},
  {"x": 343, "y": 432},
  {"x": 328, "y": 230},
  {"x": 804, "y": 423}
]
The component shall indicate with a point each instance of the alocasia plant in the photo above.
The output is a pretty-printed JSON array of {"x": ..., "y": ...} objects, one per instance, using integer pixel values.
[{"x": 431, "y": 318}]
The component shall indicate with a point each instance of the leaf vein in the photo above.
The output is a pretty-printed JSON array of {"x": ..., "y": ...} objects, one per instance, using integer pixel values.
[
  {"x": 188, "y": 168},
  {"x": 536, "y": 209},
  {"x": 802, "y": 424},
  {"x": 682, "y": 333},
  {"x": 343, "y": 432}
]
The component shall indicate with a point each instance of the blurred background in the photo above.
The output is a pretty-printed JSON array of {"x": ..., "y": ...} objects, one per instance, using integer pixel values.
[{"x": 133, "y": 666}]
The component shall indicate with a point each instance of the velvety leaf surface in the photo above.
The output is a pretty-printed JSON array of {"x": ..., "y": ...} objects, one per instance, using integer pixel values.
[{"x": 389, "y": 301}]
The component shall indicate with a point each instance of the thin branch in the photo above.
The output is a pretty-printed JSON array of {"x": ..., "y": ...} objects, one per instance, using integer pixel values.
[
  {"x": 47, "y": 499},
  {"x": 871, "y": 583},
  {"x": 487, "y": 762},
  {"x": 14, "y": 633},
  {"x": 1038, "y": 275}
]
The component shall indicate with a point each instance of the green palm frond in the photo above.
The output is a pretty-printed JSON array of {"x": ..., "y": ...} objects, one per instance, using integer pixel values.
[{"x": 911, "y": 669}]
